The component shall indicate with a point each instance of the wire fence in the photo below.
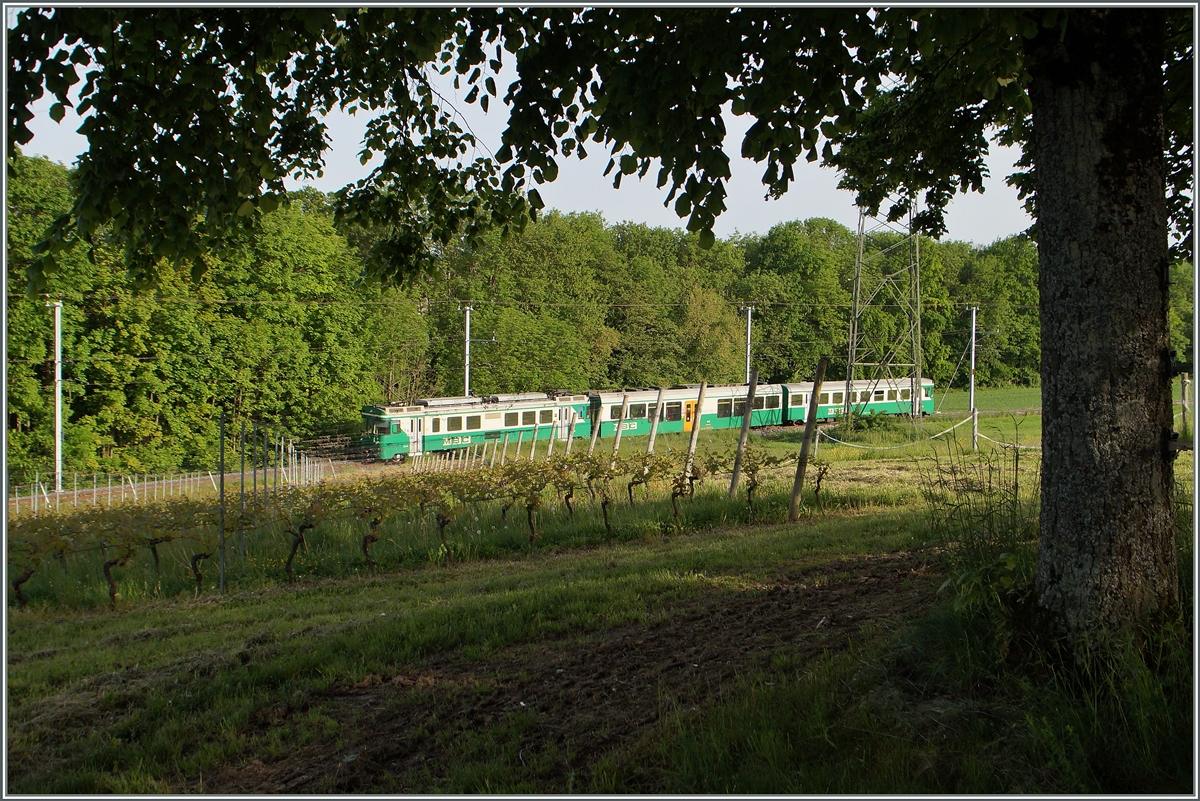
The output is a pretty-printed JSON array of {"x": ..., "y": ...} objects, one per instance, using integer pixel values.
[{"x": 294, "y": 468}]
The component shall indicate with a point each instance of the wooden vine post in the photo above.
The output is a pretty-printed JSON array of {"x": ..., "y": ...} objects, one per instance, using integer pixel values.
[
  {"x": 620, "y": 427},
  {"x": 809, "y": 427},
  {"x": 691, "y": 451},
  {"x": 654, "y": 418},
  {"x": 745, "y": 435},
  {"x": 1185, "y": 390},
  {"x": 571, "y": 431},
  {"x": 221, "y": 502},
  {"x": 596, "y": 422}
]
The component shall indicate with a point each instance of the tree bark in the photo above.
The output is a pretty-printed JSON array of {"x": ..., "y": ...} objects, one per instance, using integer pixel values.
[{"x": 1107, "y": 556}]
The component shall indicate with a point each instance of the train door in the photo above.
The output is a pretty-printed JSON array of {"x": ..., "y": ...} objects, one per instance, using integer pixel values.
[
  {"x": 414, "y": 435},
  {"x": 689, "y": 415}
]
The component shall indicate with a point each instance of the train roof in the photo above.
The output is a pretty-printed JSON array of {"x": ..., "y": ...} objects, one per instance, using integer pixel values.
[
  {"x": 857, "y": 383},
  {"x": 519, "y": 400},
  {"x": 449, "y": 401},
  {"x": 684, "y": 392}
]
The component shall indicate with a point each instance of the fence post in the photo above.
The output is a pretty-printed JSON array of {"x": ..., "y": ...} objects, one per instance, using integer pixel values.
[
  {"x": 974, "y": 429},
  {"x": 745, "y": 434},
  {"x": 242, "y": 487},
  {"x": 809, "y": 427}
]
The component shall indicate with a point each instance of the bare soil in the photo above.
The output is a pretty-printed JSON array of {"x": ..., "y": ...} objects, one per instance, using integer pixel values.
[{"x": 577, "y": 699}]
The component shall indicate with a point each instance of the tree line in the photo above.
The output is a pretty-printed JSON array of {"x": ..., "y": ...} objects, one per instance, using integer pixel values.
[{"x": 282, "y": 328}]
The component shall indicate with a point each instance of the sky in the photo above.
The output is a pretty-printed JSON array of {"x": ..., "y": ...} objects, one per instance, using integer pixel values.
[{"x": 582, "y": 187}]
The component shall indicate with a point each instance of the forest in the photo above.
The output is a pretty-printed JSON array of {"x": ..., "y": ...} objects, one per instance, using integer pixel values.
[{"x": 282, "y": 329}]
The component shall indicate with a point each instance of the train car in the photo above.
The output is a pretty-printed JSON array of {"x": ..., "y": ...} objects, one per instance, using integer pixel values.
[
  {"x": 521, "y": 419},
  {"x": 866, "y": 397},
  {"x": 724, "y": 407},
  {"x": 394, "y": 432}
]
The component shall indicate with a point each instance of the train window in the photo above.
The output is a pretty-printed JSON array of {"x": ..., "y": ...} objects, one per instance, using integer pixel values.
[
  {"x": 637, "y": 411},
  {"x": 837, "y": 397},
  {"x": 739, "y": 407},
  {"x": 381, "y": 428},
  {"x": 473, "y": 422},
  {"x": 395, "y": 428},
  {"x": 879, "y": 394},
  {"x": 905, "y": 394},
  {"x": 510, "y": 419},
  {"x": 724, "y": 407},
  {"x": 454, "y": 424},
  {"x": 760, "y": 402},
  {"x": 891, "y": 394},
  {"x": 772, "y": 401},
  {"x": 797, "y": 399},
  {"x": 615, "y": 412},
  {"x": 824, "y": 398},
  {"x": 528, "y": 418},
  {"x": 547, "y": 416},
  {"x": 928, "y": 392},
  {"x": 674, "y": 411},
  {"x": 435, "y": 425}
]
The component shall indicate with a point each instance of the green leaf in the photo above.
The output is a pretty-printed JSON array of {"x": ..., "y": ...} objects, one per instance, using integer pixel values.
[
  {"x": 57, "y": 112},
  {"x": 246, "y": 208},
  {"x": 707, "y": 240},
  {"x": 535, "y": 200}
]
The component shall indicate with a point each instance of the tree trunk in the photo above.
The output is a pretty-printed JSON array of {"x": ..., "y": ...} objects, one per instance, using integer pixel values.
[{"x": 1107, "y": 555}]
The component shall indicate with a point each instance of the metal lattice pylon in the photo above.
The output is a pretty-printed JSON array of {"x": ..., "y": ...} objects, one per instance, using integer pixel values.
[{"x": 898, "y": 287}]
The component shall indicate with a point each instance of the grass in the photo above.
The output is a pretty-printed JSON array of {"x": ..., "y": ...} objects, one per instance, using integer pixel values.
[
  {"x": 1004, "y": 399},
  {"x": 175, "y": 683}
]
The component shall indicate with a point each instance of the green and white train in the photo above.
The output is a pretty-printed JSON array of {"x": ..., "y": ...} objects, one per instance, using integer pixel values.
[{"x": 429, "y": 425}]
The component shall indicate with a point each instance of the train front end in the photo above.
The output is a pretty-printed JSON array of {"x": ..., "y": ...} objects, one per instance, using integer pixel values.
[{"x": 385, "y": 435}]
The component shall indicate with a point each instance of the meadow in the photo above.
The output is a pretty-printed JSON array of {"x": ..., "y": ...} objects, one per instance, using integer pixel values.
[{"x": 723, "y": 651}]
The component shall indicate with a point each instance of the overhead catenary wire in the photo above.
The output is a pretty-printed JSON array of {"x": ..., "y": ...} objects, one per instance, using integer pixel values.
[
  {"x": 827, "y": 436},
  {"x": 497, "y": 303}
]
